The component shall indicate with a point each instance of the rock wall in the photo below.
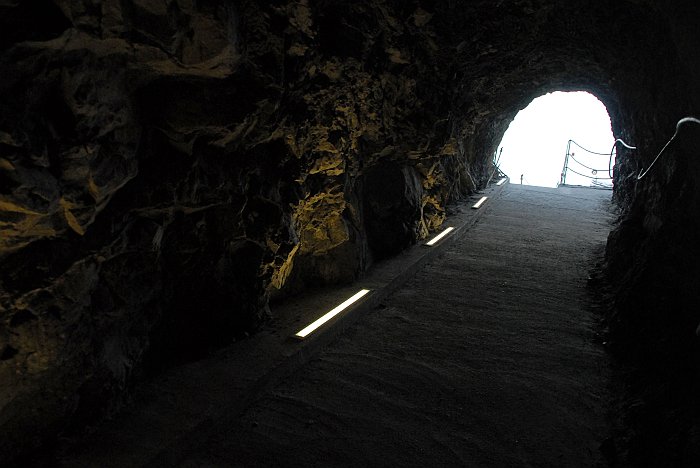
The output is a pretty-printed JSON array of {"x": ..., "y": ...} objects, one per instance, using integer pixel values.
[
  {"x": 653, "y": 260},
  {"x": 168, "y": 167}
]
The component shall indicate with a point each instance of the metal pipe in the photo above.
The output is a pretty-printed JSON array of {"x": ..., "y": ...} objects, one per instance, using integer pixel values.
[
  {"x": 675, "y": 134},
  {"x": 612, "y": 150},
  {"x": 566, "y": 163}
]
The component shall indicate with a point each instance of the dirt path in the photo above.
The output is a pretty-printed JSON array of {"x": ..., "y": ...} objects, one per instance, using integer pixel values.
[{"x": 487, "y": 357}]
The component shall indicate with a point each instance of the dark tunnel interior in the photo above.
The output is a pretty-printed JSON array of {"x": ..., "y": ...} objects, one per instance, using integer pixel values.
[{"x": 170, "y": 168}]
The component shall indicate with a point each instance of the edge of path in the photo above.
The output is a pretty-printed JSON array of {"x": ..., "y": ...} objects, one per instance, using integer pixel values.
[{"x": 173, "y": 412}]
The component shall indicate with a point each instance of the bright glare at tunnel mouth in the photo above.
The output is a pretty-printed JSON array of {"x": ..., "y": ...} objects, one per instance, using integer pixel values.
[{"x": 534, "y": 146}]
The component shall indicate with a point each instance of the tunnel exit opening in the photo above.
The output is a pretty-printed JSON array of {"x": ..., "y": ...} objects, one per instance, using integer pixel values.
[{"x": 537, "y": 150}]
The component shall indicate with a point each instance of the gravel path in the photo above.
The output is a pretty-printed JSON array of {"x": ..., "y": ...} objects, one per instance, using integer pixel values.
[{"x": 487, "y": 357}]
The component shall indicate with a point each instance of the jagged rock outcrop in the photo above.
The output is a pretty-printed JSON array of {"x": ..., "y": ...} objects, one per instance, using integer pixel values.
[{"x": 167, "y": 167}]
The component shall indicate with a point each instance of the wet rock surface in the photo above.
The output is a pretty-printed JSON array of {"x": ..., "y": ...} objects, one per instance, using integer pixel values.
[{"x": 167, "y": 167}]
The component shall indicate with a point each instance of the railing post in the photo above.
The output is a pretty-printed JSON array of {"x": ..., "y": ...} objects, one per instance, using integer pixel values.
[{"x": 566, "y": 163}]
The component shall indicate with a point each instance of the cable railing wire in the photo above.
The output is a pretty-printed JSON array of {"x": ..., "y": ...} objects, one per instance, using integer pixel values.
[
  {"x": 570, "y": 156},
  {"x": 595, "y": 177},
  {"x": 587, "y": 150},
  {"x": 587, "y": 167}
]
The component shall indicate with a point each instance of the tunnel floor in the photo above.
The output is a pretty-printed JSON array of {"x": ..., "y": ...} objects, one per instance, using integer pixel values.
[{"x": 488, "y": 356}]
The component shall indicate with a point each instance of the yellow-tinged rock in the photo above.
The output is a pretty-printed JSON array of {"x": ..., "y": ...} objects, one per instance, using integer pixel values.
[
  {"x": 93, "y": 189},
  {"x": 320, "y": 223},
  {"x": 71, "y": 220},
  {"x": 6, "y": 165},
  {"x": 329, "y": 164},
  {"x": 271, "y": 244},
  {"x": 6, "y": 205},
  {"x": 327, "y": 146},
  {"x": 332, "y": 70},
  {"x": 421, "y": 17},
  {"x": 297, "y": 50},
  {"x": 449, "y": 148},
  {"x": 280, "y": 275},
  {"x": 395, "y": 56}
]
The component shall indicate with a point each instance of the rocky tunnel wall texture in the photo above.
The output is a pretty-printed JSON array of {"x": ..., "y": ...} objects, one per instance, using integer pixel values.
[{"x": 168, "y": 167}]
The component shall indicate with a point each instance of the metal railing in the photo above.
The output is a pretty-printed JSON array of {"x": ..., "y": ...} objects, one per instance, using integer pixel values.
[
  {"x": 613, "y": 151},
  {"x": 496, "y": 161},
  {"x": 683, "y": 121},
  {"x": 595, "y": 177},
  {"x": 571, "y": 158}
]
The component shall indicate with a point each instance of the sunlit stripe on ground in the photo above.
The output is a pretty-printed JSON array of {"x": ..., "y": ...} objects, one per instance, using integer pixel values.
[
  {"x": 329, "y": 315},
  {"x": 435, "y": 239}
]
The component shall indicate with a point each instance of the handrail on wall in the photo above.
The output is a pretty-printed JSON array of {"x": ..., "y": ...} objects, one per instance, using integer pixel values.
[
  {"x": 643, "y": 172},
  {"x": 680, "y": 123},
  {"x": 613, "y": 151}
]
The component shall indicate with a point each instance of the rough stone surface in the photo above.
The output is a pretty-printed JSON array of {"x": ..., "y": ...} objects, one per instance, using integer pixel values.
[
  {"x": 392, "y": 195},
  {"x": 653, "y": 259},
  {"x": 166, "y": 167},
  {"x": 654, "y": 272}
]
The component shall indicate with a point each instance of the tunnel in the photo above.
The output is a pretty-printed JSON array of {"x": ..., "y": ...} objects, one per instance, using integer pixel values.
[
  {"x": 552, "y": 125},
  {"x": 168, "y": 170}
]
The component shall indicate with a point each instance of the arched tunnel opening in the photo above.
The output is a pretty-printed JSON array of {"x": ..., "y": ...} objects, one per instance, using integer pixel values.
[
  {"x": 537, "y": 142},
  {"x": 170, "y": 170}
]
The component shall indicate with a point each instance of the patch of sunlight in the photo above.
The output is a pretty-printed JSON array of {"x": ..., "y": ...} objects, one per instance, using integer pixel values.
[{"x": 534, "y": 146}]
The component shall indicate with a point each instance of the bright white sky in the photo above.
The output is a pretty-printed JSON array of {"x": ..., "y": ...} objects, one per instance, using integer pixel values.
[{"x": 535, "y": 143}]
